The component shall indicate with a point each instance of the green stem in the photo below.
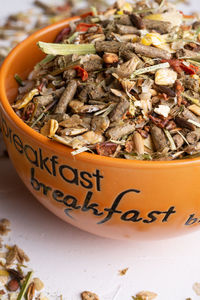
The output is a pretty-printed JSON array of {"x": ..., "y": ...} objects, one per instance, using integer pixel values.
[
  {"x": 24, "y": 286},
  {"x": 66, "y": 49}
]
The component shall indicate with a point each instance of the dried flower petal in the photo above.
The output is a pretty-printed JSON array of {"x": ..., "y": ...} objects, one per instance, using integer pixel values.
[
  {"x": 165, "y": 77},
  {"x": 26, "y": 99},
  {"x": 50, "y": 127}
]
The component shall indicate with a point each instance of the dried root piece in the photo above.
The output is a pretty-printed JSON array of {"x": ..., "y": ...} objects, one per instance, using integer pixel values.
[{"x": 66, "y": 97}]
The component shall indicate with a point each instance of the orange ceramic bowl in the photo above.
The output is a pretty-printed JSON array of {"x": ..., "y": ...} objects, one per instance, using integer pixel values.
[{"x": 110, "y": 197}]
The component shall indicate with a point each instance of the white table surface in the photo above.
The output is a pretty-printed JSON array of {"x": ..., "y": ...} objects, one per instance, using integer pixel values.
[{"x": 70, "y": 261}]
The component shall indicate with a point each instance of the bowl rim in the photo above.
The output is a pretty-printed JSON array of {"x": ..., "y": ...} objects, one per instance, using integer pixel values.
[{"x": 116, "y": 162}]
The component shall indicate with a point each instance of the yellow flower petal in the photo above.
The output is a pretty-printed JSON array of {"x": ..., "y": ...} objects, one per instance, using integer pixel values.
[
  {"x": 4, "y": 273},
  {"x": 26, "y": 99},
  {"x": 50, "y": 127},
  {"x": 154, "y": 39}
]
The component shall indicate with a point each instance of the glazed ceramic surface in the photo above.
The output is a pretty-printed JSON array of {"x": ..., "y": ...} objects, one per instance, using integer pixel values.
[{"x": 115, "y": 198}]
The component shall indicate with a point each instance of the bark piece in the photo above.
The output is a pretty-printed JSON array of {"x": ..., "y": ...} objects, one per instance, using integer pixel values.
[
  {"x": 193, "y": 136},
  {"x": 150, "y": 51},
  {"x": 186, "y": 53},
  {"x": 44, "y": 100},
  {"x": 94, "y": 63},
  {"x": 191, "y": 83},
  {"x": 66, "y": 97},
  {"x": 166, "y": 90},
  {"x": 159, "y": 26},
  {"x": 158, "y": 138},
  {"x": 119, "y": 131},
  {"x": 69, "y": 74},
  {"x": 124, "y": 20},
  {"x": 189, "y": 115}
]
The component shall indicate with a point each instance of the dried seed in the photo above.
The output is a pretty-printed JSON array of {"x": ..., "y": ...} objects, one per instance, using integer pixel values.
[
  {"x": 89, "y": 296},
  {"x": 30, "y": 291},
  {"x": 110, "y": 58},
  {"x": 146, "y": 295},
  {"x": 138, "y": 143},
  {"x": 158, "y": 138},
  {"x": 13, "y": 285},
  {"x": 39, "y": 285},
  {"x": 196, "y": 288},
  {"x": 123, "y": 271}
]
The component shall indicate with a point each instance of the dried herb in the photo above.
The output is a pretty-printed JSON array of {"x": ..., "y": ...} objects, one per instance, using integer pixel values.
[
  {"x": 19, "y": 80},
  {"x": 150, "y": 69}
]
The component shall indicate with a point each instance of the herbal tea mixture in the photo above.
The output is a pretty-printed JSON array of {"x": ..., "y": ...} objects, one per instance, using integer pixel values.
[{"x": 122, "y": 83}]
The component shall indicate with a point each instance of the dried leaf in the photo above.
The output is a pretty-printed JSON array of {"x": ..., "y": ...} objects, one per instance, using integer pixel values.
[
  {"x": 11, "y": 255},
  {"x": 30, "y": 291},
  {"x": 50, "y": 127}
]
